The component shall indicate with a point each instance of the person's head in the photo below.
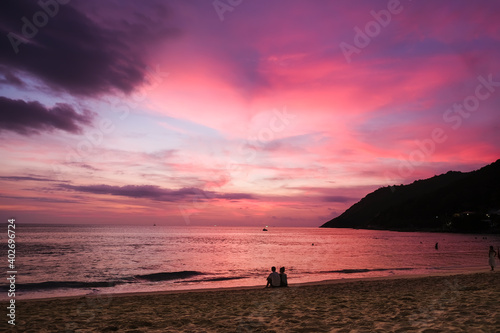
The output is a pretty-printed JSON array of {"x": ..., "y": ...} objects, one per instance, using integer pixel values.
[
  {"x": 282, "y": 270},
  {"x": 491, "y": 248},
  {"x": 273, "y": 269}
]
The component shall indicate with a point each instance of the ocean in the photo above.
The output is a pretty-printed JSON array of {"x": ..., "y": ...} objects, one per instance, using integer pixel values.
[{"x": 64, "y": 260}]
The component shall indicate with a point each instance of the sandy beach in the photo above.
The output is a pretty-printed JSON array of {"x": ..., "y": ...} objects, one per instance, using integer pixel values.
[{"x": 461, "y": 303}]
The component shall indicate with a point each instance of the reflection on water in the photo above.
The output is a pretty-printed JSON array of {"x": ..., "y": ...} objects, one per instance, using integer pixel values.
[{"x": 76, "y": 260}]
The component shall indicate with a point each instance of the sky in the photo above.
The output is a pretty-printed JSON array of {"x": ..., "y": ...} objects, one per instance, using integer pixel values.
[{"x": 238, "y": 112}]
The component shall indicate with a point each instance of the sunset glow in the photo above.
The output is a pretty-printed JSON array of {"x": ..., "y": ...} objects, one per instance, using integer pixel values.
[{"x": 279, "y": 113}]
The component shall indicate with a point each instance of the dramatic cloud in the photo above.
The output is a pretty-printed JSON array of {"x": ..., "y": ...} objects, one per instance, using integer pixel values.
[
  {"x": 17, "y": 178},
  {"x": 257, "y": 112},
  {"x": 157, "y": 193},
  {"x": 74, "y": 51},
  {"x": 31, "y": 117}
]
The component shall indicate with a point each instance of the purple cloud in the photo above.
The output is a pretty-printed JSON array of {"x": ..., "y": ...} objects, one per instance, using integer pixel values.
[
  {"x": 40, "y": 199},
  {"x": 9, "y": 78},
  {"x": 338, "y": 198},
  {"x": 18, "y": 178},
  {"x": 73, "y": 49},
  {"x": 156, "y": 193},
  {"x": 31, "y": 117}
]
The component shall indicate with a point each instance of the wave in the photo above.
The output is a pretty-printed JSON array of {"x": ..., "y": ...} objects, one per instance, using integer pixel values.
[
  {"x": 366, "y": 270},
  {"x": 226, "y": 278},
  {"x": 51, "y": 285},
  {"x": 166, "y": 276},
  {"x": 180, "y": 276}
]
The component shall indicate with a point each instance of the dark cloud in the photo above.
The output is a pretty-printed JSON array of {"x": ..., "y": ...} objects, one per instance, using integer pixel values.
[
  {"x": 31, "y": 117},
  {"x": 78, "y": 51},
  {"x": 40, "y": 199},
  {"x": 157, "y": 193},
  {"x": 234, "y": 196},
  {"x": 17, "y": 178},
  {"x": 338, "y": 198},
  {"x": 9, "y": 78}
]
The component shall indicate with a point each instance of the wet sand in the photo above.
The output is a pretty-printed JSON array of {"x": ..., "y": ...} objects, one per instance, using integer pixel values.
[{"x": 461, "y": 303}]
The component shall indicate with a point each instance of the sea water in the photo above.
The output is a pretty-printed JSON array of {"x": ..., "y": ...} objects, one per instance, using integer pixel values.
[{"x": 67, "y": 260}]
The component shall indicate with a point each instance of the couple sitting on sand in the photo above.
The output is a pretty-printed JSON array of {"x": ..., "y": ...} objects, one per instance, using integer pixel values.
[{"x": 275, "y": 280}]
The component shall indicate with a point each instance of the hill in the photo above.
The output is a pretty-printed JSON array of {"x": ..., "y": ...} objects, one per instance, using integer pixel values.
[{"x": 451, "y": 202}]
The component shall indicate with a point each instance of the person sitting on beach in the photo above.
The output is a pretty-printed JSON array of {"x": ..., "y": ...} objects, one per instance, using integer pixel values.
[
  {"x": 283, "y": 279},
  {"x": 492, "y": 254},
  {"x": 273, "y": 280}
]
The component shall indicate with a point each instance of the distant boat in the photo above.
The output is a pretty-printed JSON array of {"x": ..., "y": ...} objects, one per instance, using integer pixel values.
[
  {"x": 264, "y": 229},
  {"x": 154, "y": 225}
]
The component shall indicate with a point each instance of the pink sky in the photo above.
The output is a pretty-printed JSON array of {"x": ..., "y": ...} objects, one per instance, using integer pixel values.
[{"x": 238, "y": 112}]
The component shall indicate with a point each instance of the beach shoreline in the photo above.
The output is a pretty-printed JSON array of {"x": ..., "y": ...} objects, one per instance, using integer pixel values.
[
  {"x": 405, "y": 303},
  {"x": 258, "y": 286}
]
